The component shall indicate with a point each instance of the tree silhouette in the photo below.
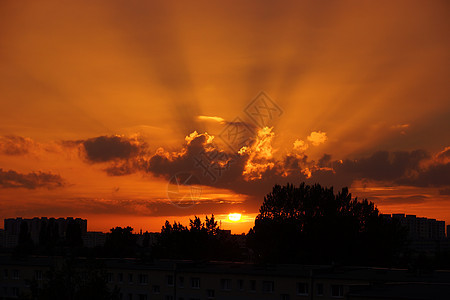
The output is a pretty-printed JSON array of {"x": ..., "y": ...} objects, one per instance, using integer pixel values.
[
  {"x": 311, "y": 224},
  {"x": 202, "y": 240},
  {"x": 120, "y": 242}
]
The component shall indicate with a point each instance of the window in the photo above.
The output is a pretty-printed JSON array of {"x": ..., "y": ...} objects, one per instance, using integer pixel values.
[
  {"x": 5, "y": 274},
  {"x": 84, "y": 275},
  {"x": 38, "y": 275},
  {"x": 156, "y": 289},
  {"x": 170, "y": 280},
  {"x": 253, "y": 285},
  {"x": 143, "y": 278},
  {"x": 169, "y": 297},
  {"x": 181, "y": 281},
  {"x": 15, "y": 274},
  {"x": 302, "y": 288},
  {"x": 130, "y": 296},
  {"x": 143, "y": 297},
  {"x": 195, "y": 283},
  {"x": 319, "y": 289},
  {"x": 284, "y": 297},
  {"x": 15, "y": 292},
  {"x": 210, "y": 294},
  {"x": 337, "y": 290},
  {"x": 225, "y": 284},
  {"x": 130, "y": 278},
  {"x": 241, "y": 284},
  {"x": 120, "y": 277},
  {"x": 267, "y": 286},
  {"x": 109, "y": 277}
]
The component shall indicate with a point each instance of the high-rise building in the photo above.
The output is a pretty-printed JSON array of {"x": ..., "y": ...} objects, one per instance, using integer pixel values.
[{"x": 36, "y": 226}]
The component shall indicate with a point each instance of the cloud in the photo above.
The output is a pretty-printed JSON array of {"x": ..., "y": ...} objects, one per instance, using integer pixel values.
[
  {"x": 109, "y": 148},
  {"x": 383, "y": 165},
  {"x": 443, "y": 156},
  {"x": 400, "y": 127},
  {"x": 300, "y": 145},
  {"x": 395, "y": 200},
  {"x": 33, "y": 180},
  {"x": 445, "y": 191},
  {"x": 255, "y": 168},
  {"x": 317, "y": 137},
  {"x": 16, "y": 145},
  {"x": 260, "y": 154},
  {"x": 214, "y": 119}
]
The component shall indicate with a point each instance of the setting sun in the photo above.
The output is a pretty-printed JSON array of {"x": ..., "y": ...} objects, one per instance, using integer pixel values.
[{"x": 235, "y": 217}]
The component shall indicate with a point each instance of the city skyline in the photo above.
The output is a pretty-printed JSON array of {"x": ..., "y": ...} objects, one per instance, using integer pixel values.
[{"x": 134, "y": 113}]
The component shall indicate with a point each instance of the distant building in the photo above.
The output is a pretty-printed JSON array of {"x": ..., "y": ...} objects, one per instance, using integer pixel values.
[
  {"x": 419, "y": 227},
  {"x": 426, "y": 235},
  {"x": 94, "y": 239},
  {"x": 36, "y": 226}
]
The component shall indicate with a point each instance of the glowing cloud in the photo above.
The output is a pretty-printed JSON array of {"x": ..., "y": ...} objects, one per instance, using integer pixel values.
[
  {"x": 214, "y": 119},
  {"x": 317, "y": 137},
  {"x": 259, "y": 154},
  {"x": 300, "y": 145}
]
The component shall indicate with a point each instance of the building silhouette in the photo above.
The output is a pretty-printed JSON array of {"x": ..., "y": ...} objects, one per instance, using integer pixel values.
[
  {"x": 35, "y": 226},
  {"x": 425, "y": 235},
  {"x": 419, "y": 227},
  {"x": 189, "y": 280}
]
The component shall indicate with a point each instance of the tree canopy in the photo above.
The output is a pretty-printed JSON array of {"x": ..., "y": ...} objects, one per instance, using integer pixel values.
[
  {"x": 201, "y": 240},
  {"x": 312, "y": 224}
]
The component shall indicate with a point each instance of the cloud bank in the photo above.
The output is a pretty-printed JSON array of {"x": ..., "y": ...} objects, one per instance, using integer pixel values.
[
  {"x": 33, "y": 180},
  {"x": 255, "y": 168}
]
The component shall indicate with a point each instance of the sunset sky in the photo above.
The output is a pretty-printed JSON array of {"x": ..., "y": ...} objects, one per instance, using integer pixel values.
[{"x": 106, "y": 105}]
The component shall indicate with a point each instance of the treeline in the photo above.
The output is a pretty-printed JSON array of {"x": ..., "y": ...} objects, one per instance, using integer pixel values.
[
  {"x": 307, "y": 224},
  {"x": 202, "y": 240}
]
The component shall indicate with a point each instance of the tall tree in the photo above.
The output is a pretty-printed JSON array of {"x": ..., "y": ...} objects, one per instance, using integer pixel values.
[
  {"x": 120, "y": 242},
  {"x": 201, "y": 241},
  {"x": 312, "y": 224}
]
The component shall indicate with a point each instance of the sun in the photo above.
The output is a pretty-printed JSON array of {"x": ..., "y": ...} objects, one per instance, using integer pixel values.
[{"x": 235, "y": 217}]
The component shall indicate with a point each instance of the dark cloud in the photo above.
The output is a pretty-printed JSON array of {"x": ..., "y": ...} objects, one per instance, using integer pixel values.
[
  {"x": 215, "y": 167},
  {"x": 400, "y": 200},
  {"x": 33, "y": 180},
  {"x": 382, "y": 165},
  {"x": 109, "y": 148},
  {"x": 324, "y": 160},
  {"x": 122, "y": 168},
  {"x": 436, "y": 175},
  {"x": 15, "y": 145},
  {"x": 445, "y": 191}
]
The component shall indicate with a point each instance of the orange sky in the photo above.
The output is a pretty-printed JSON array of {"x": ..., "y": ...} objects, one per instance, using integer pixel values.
[{"x": 100, "y": 101}]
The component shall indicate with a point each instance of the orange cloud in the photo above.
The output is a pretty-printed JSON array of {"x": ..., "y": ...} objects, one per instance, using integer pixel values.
[
  {"x": 259, "y": 155},
  {"x": 215, "y": 119},
  {"x": 300, "y": 145},
  {"x": 317, "y": 137}
]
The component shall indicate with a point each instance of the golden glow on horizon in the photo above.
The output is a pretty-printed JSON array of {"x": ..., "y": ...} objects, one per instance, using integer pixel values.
[{"x": 235, "y": 217}]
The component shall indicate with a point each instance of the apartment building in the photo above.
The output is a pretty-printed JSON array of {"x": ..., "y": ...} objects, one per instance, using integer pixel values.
[
  {"x": 35, "y": 226},
  {"x": 187, "y": 280}
]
